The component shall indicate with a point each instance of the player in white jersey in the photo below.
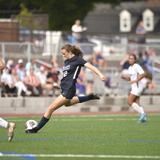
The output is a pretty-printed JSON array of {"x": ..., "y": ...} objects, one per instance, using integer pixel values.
[
  {"x": 136, "y": 77},
  {"x": 10, "y": 126}
]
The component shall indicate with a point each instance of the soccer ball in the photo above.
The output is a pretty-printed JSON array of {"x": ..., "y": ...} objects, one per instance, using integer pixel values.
[{"x": 30, "y": 124}]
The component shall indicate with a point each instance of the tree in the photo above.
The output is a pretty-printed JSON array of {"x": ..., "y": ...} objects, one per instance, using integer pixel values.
[
  {"x": 25, "y": 18},
  {"x": 62, "y": 13}
]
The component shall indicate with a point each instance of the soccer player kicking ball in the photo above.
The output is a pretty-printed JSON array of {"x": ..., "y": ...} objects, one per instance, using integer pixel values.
[
  {"x": 10, "y": 126},
  {"x": 135, "y": 77},
  {"x": 72, "y": 66}
]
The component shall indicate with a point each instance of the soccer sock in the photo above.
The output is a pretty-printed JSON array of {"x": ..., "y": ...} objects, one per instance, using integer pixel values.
[
  {"x": 41, "y": 124},
  {"x": 142, "y": 110},
  {"x": 87, "y": 98},
  {"x": 3, "y": 123},
  {"x": 83, "y": 99},
  {"x": 137, "y": 108}
]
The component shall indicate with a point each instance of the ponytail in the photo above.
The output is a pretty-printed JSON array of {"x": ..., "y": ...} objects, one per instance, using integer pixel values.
[{"x": 73, "y": 49}]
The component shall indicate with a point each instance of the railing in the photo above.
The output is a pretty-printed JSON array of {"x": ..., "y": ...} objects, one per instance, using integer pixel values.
[{"x": 111, "y": 51}]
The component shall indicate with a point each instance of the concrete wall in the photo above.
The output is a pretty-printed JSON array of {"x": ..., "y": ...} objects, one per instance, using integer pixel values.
[{"x": 38, "y": 105}]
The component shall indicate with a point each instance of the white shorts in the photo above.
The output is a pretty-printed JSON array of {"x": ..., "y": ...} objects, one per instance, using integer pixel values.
[{"x": 137, "y": 91}]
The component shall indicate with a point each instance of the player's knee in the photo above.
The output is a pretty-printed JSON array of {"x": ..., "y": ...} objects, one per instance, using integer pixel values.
[
  {"x": 51, "y": 108},
  {"x": 67, "y": 104},
  {"x": 129, "y": 103}
]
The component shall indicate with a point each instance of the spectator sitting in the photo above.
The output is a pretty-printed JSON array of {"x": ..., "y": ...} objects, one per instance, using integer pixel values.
[
  {"x": 53, "y": 79},
  {"x": 21, "y": 88},
  {"x": 42, "y": 75},
  {"x": 33, "y": 84},
  {"x": 9, "y": 88},
  {"x": 21, "y": 72},
  {"x": 46, "y": 87},
  {"x": 80, "y": 85},
  {"x": 31, "y": 64},
  {"x": 10, "y": 64},
  {"x": 100, "y": 60}
]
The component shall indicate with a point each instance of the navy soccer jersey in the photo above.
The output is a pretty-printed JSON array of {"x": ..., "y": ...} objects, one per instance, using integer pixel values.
[{"x": 71, "y": 71}]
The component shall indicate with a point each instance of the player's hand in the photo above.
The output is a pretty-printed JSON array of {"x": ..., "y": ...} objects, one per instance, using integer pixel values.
[
  {"x": 135, "y": 81},
  {"x": 103, "y": 78}
]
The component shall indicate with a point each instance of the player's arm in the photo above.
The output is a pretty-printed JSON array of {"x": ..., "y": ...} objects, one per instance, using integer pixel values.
[
  {"x": 95, "y": 70},
  {"x": 140, "y": 76},
  {"x": 141, "y": 73},
  {"x": 125, "y": 77}
]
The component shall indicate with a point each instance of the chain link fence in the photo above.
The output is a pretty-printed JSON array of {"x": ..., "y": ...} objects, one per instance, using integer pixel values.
[{"x": 111, "y": 52}]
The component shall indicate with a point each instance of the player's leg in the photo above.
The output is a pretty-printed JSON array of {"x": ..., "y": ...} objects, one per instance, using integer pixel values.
[
  {"x": 133, "y": 101},
  {"x": 57, "y": 103},
  {"x": 137, "y": 101},
  {"x": 143, "y": 116},
  {"x": 81, "y": 99},
  {"x": 10, "y": 126}
]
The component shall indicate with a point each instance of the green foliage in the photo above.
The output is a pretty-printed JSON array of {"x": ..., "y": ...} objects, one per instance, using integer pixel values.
[
  {"x": 62, "y": 13},
  {"x": 67, "y": 13},
  {"x": 25, "y": 18}
]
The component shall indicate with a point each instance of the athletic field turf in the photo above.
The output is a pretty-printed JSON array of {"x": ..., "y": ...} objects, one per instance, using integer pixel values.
[{"x": 85, "y": 137}]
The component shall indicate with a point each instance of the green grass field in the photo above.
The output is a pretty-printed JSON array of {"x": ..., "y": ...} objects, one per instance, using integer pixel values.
[{"x": 85, "y": 137}]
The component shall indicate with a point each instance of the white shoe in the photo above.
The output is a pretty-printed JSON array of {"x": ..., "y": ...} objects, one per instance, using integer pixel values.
[
  {"x": 143, "y": 118},
  {"x": 11, "y": 129},
  {"x": 28, "y": 93}
]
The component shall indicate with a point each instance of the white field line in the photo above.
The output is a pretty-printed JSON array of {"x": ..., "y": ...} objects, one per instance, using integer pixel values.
[
  {"x": 110, "y": 117},
  {"x": 84, "y": 119},
  {"x": 81, "y": 156},
  {"x": 100, "y": 119}
]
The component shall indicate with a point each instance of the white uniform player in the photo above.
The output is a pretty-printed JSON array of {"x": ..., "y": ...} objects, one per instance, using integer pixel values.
[
  {"x": 136, "y": 76},
  {"x": 134, "y": 71},
  {"x": 10, "y": 126}
]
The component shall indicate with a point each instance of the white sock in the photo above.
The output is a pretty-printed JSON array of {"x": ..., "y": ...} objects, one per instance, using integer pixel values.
[
  {"x": 3, "y": 123},
  {"x": 142, "y": 110},
  {"x": 137, "y": 108}
]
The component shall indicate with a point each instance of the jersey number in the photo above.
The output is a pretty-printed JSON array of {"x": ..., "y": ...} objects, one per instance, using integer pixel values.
[{"x": 65, "y": 73}]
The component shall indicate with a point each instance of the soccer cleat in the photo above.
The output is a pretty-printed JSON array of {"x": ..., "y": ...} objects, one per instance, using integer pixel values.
[
  {"x": 31, "y": 130},
  {"x": 11, "y": 128},
  {"x": 93, "y": 96},
  {"x": 143, "y": 118}
]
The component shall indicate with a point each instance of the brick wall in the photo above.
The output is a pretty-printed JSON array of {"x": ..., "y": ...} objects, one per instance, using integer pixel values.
[{"x": 9, "y": 31}]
